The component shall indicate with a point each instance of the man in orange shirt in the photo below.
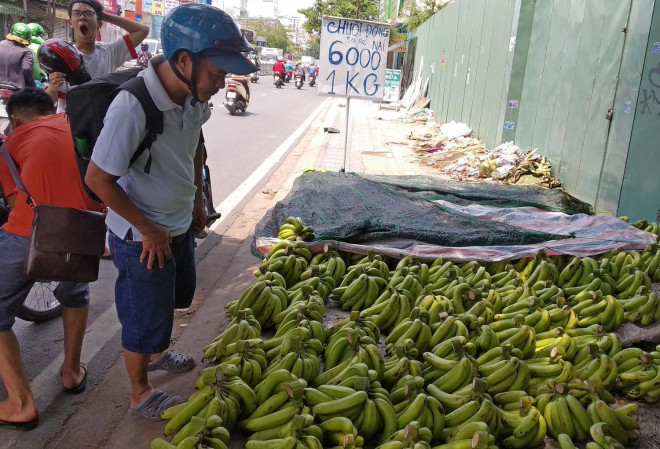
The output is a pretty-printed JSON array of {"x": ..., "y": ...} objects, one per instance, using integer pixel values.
[{"x": 42, "y": 148}]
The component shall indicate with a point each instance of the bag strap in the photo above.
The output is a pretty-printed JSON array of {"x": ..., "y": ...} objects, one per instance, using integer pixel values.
[
  {"x": 154, "y": 125},
  {"x": 14, "y": 173}
]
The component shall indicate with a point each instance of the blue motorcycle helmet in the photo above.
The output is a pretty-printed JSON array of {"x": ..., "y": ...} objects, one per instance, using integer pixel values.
[{"x": 207, "y": 32}]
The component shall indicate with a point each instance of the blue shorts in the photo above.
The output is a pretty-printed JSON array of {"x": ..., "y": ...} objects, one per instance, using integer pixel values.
[
  {"x": 15, "y": 285},
  {"x": 146, "y": 299}
]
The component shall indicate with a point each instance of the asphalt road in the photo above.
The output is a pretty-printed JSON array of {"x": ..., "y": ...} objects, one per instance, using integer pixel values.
[{"x": 236, "y": 146}]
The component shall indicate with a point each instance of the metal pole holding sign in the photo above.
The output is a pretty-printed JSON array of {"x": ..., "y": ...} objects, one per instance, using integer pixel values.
[
  {"x": 352, "y": 59},
  {"x": 348, "y": 108}
]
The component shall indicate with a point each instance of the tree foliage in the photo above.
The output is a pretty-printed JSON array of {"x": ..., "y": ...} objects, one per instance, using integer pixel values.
[
  {"x": 273, "y": 30},
  {"x": 368, "y": 10},
  {"x": 420, "y": 13}
]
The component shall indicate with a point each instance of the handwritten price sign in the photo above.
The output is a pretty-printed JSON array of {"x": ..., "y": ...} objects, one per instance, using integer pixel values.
[{"x": 353, "y": 57}]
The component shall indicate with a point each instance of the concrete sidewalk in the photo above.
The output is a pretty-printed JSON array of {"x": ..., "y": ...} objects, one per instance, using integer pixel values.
[{"x": 377, "y": 144}]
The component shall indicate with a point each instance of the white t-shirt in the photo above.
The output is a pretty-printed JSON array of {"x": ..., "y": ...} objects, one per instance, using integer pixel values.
[
  {"x": 106, "y": 59},
  {"x": 166, "y": 194}
]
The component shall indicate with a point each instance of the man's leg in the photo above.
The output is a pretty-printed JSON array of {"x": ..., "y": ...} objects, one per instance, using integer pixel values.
[
  {"x": 74, "y": 321},
  {"x": 19, "y": 405},
  {"x": 136, "y": 366}
]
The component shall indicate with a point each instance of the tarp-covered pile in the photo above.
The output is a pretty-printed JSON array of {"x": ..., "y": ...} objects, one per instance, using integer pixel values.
[{"x": 431, "y": 217}]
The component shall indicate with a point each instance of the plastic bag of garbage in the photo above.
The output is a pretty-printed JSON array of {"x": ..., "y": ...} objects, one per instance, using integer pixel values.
[
  {"x": 507, "y": 148},
  {"x": 453, "y": 130},
  {"x": 507, "y": 159},
  {"x": 487, "y": 167},
  {"x": 502, "y": 172}
]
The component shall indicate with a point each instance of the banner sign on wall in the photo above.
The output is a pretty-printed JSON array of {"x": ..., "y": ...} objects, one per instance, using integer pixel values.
[
  {"x": 353, "y": 57},
  {"x": 157, "y": 9}
]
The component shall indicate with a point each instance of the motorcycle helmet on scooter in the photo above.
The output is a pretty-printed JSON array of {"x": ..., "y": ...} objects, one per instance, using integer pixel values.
[
  {"x": 57, "y": 55},
  {"x": 37, "y": 32},
  {"x": 207, "y": 32}
]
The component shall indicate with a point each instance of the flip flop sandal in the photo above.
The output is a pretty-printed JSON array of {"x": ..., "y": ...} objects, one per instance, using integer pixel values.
[
  {"x": 157, "y": 402},
  {"x": 26, "y": 425},
  {"x": 81, "y": 386},
  {"x": 173, "y": 362}
]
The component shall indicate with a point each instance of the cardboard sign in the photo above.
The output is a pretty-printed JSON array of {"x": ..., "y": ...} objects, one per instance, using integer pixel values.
[{"x": 353, "y": 57}]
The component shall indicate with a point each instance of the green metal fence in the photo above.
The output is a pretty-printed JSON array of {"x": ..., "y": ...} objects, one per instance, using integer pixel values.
[{"x": 562, "y": 76}]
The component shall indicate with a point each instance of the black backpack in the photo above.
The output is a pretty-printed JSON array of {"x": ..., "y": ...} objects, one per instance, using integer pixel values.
[{"x": 87, "y": 104}]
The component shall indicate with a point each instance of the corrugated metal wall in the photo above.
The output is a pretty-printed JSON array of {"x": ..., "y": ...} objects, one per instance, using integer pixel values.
[
  {"x": 545, "y": 73},
  {"x": 640, "y": 194},
  {"x": 464, "y": 52},
  {"x": 573, "y": 64}
]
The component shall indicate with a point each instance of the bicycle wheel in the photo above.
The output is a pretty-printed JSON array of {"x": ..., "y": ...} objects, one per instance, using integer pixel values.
[{"x": 40, "y": 304}]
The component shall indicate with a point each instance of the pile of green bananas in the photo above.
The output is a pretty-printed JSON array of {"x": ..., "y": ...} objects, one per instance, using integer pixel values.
[
  {"x": 243, "y": 326},
  {"x": 294, "y": 229},
  {"x": 199, "y": 433},
  {"x": 266, "y": 298},
  {"x": 221, "y": 392},
  {"x": 475, "y": 353}
]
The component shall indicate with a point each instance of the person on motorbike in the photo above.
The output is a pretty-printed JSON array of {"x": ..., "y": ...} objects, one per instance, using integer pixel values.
[
  {"x": 153, "y": 218},
  {"x": 36, "y": 39},
  {"x": 279, "y": 68},
  {"x": 144, "y": 56},
  {"x": 311, "y": 70},
  {"x": 16, "y": 58},
  {"x": 299, "y": 70},
  {"x": 42, "y": 147}
]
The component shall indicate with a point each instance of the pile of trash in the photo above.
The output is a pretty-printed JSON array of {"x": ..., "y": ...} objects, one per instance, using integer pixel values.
[{"x": 463, "y": 157}]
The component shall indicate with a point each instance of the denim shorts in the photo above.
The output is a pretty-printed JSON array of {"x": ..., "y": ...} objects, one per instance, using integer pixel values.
[
  {"x": 15, "y": 285},
  {"x": 145, "y": 298}
]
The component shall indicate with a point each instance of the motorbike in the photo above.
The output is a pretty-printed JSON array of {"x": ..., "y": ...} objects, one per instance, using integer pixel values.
[
  {"x": 312, "y": 80},
  {"x": 237, "y": 95},
  {"x": 287, "y": 76},
  {"x": 299, "y": 81},
  {"x": 277, "y": 80},
  {"x": 254, "y": 77}
]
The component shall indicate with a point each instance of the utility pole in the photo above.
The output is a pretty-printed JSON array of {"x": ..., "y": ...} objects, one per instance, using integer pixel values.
[{"x": 357, "y": 12}]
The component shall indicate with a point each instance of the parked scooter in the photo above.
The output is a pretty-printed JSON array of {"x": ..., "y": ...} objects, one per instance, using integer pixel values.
[
  {"x": 299, "y": 81},
  {"x": 237, "y": 95}
]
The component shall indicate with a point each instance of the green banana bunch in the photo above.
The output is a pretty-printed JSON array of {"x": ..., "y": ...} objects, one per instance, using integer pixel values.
[
  {"x": 349, "y": 344},
  {"x": 477, "y": 410},
  {"x": 638, "y": 374},
  {"x": 448, "y": 327},
  {"x": 305, "y": 329},
  {"x": 364, "y": 324},
  {"x": 391, "y": 311},
  {"x": 312, "y": 308},
  {"x": 608, "y": 342},
  {"x": 243, "y": 326},
  {"x": 361, "y": 293},
  {"x": 641, "y": 308},
  {"x": 565, "y": 345},
  {"x": 525, "y": 427},
  {"x": 401, "y": 363},
  {"x": 630, "y": 283},
  {"x": 434, "y": 305},
  {"x": 435, "y": 366},
  {"x": 484, "y": 338},
  {"x": 334, "y": 263},
  {"x": 511, "y": 401},
  {"x": 599, "y": 365},
  {"x": 476, "y": 391},
  {"x": 227, "y": 396},
  {"x": 318, "y": 278},
  {"x": 297, "y": 355},
  {"x": 413, "y": 436},
  {"x": 265, "y": 298},
  {"x": 414, "y": 327},
  {"x": 406, "y": 279},
  {"x": 423, "y": 408},
  {"x": 373, "y": 260},
  {"x": 480, "y": 440},
  {"x": 277, "y": 409},
  {"x": 294, "y": 229},
  {"x": 248, "y": 356},
  {"x": 618, "y": 423},
  {"x": 205, "y": 433},
  {"x": 273, "y": 384},
  {"x": 339, "y": 432}
]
